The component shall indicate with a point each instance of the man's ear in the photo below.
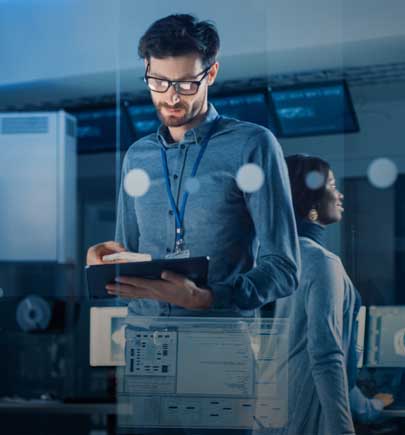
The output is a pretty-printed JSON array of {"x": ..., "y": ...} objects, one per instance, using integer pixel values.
[{"x": 212, "y": 75}]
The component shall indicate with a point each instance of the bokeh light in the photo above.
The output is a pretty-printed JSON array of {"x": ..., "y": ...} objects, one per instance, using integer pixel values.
[
  {"x": 382, "y": 173},
  {"x": 136, "y": 182},
  {"x": 314, "y": 180},
  {"x": 192, "y": 185},
  {"x": 250, "y": 178}
]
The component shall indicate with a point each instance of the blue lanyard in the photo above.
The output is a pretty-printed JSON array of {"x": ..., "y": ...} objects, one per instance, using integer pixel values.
[{"x": 179, "y": 215}]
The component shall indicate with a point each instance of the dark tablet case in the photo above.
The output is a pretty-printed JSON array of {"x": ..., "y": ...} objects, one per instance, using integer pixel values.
[{"x": 98, "y": 276}]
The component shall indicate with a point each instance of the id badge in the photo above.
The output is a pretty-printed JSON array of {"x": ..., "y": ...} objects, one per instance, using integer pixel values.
[{"x": 185, "y": 253}]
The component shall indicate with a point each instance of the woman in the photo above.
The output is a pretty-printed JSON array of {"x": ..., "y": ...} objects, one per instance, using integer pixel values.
[{"x": 322, "y": 356}]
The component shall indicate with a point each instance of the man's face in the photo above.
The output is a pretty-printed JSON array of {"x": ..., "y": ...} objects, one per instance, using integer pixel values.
[{"x": 176, "y": 110}]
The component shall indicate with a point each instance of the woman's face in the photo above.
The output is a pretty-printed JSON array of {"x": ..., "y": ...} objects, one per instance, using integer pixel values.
[{"x": 331, "y": 206}]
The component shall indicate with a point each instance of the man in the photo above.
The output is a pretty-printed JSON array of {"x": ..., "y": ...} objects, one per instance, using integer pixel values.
[{"x": 215, "y": 218}]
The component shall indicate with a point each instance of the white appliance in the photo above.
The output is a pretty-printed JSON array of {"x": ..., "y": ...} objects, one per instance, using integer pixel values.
[{"x": 38, "y": 187}]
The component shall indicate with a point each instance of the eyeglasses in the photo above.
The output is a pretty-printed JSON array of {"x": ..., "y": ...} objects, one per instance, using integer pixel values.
[{"x": 182, "y": 87}]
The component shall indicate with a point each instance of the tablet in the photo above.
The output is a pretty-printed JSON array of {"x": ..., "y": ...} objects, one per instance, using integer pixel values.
[{"x": 98, "y": 276}]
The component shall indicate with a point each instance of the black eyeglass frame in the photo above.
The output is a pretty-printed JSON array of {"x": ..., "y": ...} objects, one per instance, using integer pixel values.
[{"x": 175, "y": 83}]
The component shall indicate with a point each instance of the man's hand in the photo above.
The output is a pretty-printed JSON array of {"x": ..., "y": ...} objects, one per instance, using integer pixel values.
[
  {"x": 386, "y": 399},
  {"x": 172, "y": 288},
  {"x": 96, "y": 253}
]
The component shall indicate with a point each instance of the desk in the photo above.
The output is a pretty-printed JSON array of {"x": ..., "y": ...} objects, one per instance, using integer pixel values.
[
  {"x": 36, "y": 409},
  {"x": 57, "y": 407},
  {"x": 394, "y": 412},
  {"x": 51, "y": 416}
]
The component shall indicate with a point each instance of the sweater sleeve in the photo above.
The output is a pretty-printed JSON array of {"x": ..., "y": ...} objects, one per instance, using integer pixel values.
[
  {"x": 364, "y": 410},
  {"x": 324, "y": 307}
]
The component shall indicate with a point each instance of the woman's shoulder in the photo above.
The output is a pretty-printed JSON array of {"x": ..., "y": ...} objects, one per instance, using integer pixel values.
[{"x": 317, "y": 257}]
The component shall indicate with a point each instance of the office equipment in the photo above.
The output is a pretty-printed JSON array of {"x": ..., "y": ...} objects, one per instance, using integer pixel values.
[
  {"x": 385, "y": 350},
  {"x": 38, "y": 187},
  {"x": 107, "y": 338},
  {"x": 248, "y": 106},
  {"x": 314, "y": 109},
  {"x": 97, "y": 129},
  {"x": 386, "y": 336},
  {"x": 397, "y": 409},
  {"x": 199, "y": 372},
  {"x": 33, "y": 313},
  {"x": 144, "y": 119},
  {"x": 98, "y": 276}
]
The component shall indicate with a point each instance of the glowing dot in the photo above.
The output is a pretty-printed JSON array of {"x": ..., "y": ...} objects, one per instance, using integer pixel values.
[
  {"x": 250, "y": 178},
  {"x": 192, "y": 185},
  {"x": 382, "y": 173},
  {"x": 314, "y": 180},
  {"x": 118, "y": 337},
  {"x": 136, "y": 182},
  {"x": 158, "y": 338}
]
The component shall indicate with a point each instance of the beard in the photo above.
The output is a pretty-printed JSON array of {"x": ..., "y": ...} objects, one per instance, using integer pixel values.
[
  {"x": 171, "y": 120},
  {"x": 189, "y": 112}
]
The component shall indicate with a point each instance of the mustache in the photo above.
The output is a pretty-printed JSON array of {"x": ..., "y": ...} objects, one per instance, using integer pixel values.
[{"x": 176, "y": 106}]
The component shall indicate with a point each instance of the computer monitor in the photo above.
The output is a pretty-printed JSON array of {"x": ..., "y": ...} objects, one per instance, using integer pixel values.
[
  {"x": 144, "y": 119},
  {"x": 250, "y": 106},
  {"x": 385, "y": 341},
  {"x": 195, "y": 372},
  {"x": 314, "y": 109},
  {"x": 97, "y": 129}
]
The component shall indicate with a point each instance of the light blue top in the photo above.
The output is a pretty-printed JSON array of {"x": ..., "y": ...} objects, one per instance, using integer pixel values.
[
  {"x": 220, "y": 221},
  {"x": 320, "y": 327},
  {"x": 364, "y": 409}
]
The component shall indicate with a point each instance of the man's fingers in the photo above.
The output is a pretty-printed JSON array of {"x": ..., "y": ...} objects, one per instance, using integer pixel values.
[
  {"x": 114, "y": 261},
  {"x": 126, "y": 291},
  {"x": 93, "y": 257},
  {"x": 142, "y": 283},
  {"x": 92, "y": 260},
  {"x": 174, "y": 278},
  {"x": 95, "y": 253},
  {"x": 115, "y": 246}
]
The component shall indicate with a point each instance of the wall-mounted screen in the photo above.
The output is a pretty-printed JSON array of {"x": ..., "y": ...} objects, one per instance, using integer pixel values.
[
  {"x": 252, "y": 107},
  {"x": 144, "y": 119},
  {"x": 314, "y": 109},
  {"x": 96, "y": 129}
]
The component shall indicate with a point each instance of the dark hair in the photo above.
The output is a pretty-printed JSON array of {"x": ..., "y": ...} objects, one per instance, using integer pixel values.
[
  {"x": 304, "y": 198},
  {"x": 179, "y": 35}
]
